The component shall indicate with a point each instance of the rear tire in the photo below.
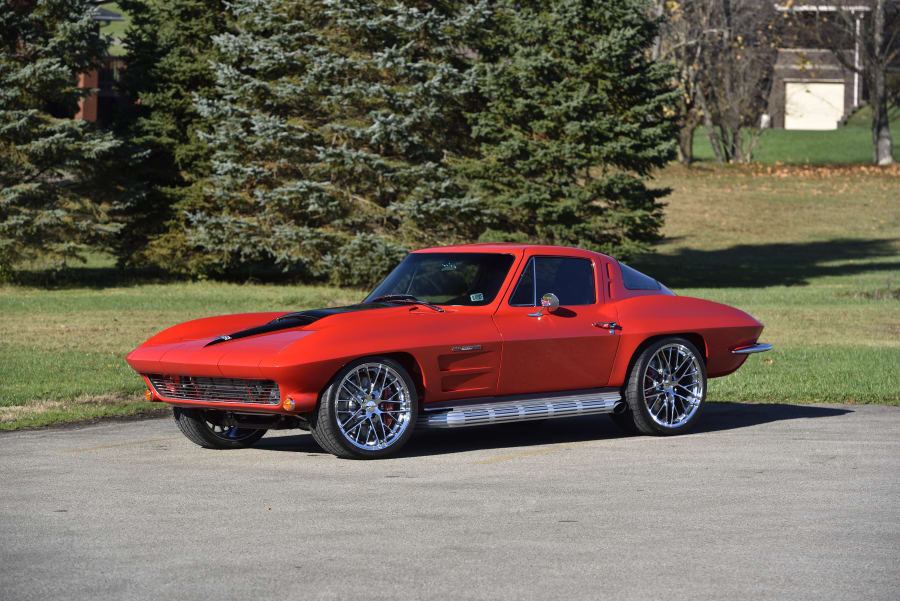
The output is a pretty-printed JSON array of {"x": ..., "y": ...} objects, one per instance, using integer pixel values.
[
  {"x": 200, "y": 427},
  {"x": 666, "y": 387},
  {"x": 368, "y": 410}
]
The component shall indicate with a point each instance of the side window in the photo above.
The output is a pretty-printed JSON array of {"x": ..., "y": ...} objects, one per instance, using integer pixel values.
[{"x": 572, "y": 280}]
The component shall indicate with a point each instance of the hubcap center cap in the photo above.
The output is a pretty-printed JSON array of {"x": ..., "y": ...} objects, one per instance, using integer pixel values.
[{"x": 371, "y": 406}]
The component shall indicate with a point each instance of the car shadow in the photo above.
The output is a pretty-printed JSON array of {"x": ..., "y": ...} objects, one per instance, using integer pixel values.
[{"x": 715, "y": 417}]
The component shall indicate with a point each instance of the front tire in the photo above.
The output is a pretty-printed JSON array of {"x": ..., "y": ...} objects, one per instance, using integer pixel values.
[
  {"x": 367, "y": 411},
  {"x": 204, "y": 428},
  {"x": 666, "y": 387}
]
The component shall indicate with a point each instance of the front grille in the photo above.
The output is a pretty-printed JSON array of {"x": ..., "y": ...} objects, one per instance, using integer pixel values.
[{"x": 216, "y": 390}]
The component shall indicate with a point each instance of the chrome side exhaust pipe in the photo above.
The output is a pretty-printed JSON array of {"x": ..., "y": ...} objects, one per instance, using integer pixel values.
[{"x": 521, "y": 410}]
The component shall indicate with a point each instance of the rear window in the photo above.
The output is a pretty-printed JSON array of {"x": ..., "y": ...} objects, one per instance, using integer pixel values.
[{"x": 635, "y": 280}]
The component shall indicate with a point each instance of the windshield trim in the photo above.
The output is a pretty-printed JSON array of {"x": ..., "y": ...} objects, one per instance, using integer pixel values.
[{"x": 501, "y": 290}]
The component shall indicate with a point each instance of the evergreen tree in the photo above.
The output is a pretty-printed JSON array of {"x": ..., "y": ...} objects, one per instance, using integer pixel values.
[
  {"x": 169, "y": 51},
  {"x": 331, "y": 128},
  {"x": 52, "y": 202},
  {"x": 575, "y": 118}
]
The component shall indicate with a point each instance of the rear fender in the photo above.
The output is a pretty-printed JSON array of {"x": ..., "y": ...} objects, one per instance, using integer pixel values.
[{"x": 712, "y": 327}]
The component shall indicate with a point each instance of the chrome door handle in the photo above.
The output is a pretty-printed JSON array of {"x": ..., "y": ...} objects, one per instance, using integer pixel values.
[{"x": 607, "y": 325}]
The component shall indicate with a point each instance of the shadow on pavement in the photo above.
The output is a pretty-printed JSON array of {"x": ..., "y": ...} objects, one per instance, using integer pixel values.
[{"x": 715, "y": 417}]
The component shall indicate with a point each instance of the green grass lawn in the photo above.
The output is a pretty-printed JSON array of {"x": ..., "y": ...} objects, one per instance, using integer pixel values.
[
  {"x": 847, "y": 145},
  {"x": 813, "y": 252},
  {"x": 116, "y": 29}
]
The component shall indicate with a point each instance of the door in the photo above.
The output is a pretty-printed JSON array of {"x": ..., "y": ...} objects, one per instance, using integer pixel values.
[
  {"x": 563, "y": 350},
  {"x": 813, "y": 105}
]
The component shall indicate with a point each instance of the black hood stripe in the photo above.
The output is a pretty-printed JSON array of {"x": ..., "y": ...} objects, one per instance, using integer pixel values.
[{"x": 296, "y": 320}]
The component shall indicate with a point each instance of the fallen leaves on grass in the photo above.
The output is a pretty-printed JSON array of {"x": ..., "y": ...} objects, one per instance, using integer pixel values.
[
  {"x": 822, "y": 171},
  {"x": 781, "y": 170}
]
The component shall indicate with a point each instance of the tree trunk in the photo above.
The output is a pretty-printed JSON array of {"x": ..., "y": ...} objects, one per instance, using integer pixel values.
[
  {"x": 727, "y": 137},
  {"x": 656, "y": 49},
  {"x": 882, "y": 143},
  {"x": 755, "y": 136},
  {"x": 708, "y": 124},
  {"x": 737, "y": 145},
  {"x": 686, "y": 144}
]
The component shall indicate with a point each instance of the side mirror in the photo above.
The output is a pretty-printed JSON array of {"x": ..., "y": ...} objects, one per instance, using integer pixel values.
[{"x": 550, "y": 302}]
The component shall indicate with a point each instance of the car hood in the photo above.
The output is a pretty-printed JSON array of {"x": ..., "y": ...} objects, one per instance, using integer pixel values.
[
  {"x": 300, "y": 319},
  {"x": 214, "y": 346}
]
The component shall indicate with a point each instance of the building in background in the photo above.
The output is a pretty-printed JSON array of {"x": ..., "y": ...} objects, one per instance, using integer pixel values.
[{"x": 812, "y": 88}]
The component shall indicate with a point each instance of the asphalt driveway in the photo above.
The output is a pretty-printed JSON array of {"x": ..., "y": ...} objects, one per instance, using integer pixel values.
[{"x": 761, "y": 502}]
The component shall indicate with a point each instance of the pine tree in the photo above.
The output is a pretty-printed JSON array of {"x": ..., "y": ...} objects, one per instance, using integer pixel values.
[
  {"x": 575, "y": 118},
  {"x": 332, "y": 125},
  {"x": 52, "y": 203},
  {"x": 169, "y": 51}
]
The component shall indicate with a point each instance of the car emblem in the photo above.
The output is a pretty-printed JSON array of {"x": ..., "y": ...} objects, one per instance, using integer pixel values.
[{"x": 469, "y": 347}]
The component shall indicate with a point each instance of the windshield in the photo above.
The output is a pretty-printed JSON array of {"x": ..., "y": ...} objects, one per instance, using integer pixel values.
[{"x": 447, "y": 278}]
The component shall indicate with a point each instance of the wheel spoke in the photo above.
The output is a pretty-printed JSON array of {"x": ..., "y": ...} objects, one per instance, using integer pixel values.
[
  {"x": 684, "y": 362},
  {"x": 357, "y": 412},
  {"x": 682, "y": 397},
  {"x": 347, "y": 387}
]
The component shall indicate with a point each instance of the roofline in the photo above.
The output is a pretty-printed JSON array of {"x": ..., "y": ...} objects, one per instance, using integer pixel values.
[{"x": 499, "y": 247}]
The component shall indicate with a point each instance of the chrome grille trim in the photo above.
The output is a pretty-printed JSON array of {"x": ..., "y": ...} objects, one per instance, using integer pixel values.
[{"x": 215, "y": 390}]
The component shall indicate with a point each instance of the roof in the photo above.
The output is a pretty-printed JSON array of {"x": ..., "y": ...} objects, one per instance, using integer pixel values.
[{"x": 508, "y": 246}]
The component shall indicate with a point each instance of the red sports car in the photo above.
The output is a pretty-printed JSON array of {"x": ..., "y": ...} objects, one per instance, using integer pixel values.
[{"x": 455, "y": 336}]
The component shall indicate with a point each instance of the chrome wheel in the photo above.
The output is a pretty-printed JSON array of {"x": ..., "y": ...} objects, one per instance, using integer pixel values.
[
  {"x": 673, "y": 385},
  {"x": 373, "y": 406}
]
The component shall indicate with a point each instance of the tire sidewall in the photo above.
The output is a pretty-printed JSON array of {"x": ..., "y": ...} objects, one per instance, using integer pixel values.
[{"x": 634, "y": 392}]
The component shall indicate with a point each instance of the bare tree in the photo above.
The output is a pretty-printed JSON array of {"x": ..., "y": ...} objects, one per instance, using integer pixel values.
[
  {"x": 685, "y": 39},
  {"x": 725, "y": 51},
  {"x": 864, "y": 35}
]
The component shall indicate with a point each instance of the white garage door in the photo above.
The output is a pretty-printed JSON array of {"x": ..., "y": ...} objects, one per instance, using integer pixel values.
[{"x": 813, "y": 105}]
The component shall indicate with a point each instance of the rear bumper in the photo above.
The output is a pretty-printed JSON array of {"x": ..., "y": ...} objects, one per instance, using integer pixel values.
[{"x": 749, "y": 350}]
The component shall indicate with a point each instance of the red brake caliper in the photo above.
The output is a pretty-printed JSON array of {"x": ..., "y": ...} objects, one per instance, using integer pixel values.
[{"x": 387, "y": 419}]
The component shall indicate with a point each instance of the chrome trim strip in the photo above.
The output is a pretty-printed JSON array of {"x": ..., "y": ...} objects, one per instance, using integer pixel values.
[
  {"x": 521, "y": 410},
  {"x": 756, "y": 348}
]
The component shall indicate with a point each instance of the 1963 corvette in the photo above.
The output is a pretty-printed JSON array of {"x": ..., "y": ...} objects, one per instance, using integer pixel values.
[{"x": 455, "y": 336}]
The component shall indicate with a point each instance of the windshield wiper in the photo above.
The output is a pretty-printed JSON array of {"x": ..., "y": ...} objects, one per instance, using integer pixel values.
[{"x": 404, "y": 298}]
